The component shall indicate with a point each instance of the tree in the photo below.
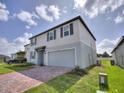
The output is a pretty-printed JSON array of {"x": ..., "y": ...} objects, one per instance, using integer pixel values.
[
  {"x": 105, "y": 54},
  {"x": 20, "y": 55},
  {"x": 99, "y": 55}
]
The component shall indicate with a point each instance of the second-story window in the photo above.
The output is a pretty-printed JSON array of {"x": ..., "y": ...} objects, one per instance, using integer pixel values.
[
  {"x": 51, "y": 35},
  {"x": 66, "y": 30},
  {"x": 33, "y": 41}
]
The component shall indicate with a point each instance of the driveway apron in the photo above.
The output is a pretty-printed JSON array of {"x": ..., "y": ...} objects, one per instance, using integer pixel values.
[{"x": 18, "y": 82}]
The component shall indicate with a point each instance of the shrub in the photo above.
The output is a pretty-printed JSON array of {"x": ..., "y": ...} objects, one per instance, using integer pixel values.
[{"x": 79, "y": 71}]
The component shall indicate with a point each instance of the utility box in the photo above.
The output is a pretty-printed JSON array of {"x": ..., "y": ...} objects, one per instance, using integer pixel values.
[
  {"x": 103, "y": 81},
  {"x": 98, "y": 63},
  {"x": 112, "y": 62}
]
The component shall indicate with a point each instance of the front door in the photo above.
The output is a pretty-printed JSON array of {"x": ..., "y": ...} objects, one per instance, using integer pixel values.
[{"x": 40, "y": 57}]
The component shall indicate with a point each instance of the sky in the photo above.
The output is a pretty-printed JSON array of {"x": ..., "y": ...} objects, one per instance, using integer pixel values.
[{"x": 21, "y": 19}]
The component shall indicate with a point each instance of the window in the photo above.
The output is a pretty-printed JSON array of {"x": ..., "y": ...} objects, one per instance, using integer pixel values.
[
  {"x": 33, "y": 41},
  {"x": 32, "y": 54},
  {"x": 51, "y": 35},
  {"x": 66, "y": 31}
]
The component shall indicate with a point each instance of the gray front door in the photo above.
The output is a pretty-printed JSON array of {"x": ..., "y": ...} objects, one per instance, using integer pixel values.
[{"x": 40, "y": 57}]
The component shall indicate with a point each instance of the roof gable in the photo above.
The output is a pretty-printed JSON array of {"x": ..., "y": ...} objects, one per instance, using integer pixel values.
[
  {"x": 66, "y": 22},
  {"x": 119, "y": 43}
]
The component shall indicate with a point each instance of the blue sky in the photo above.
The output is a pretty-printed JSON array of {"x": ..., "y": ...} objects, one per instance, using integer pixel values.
[{"x": 20, "y": 19}]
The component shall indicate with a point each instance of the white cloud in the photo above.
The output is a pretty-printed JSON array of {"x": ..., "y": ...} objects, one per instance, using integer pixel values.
[
  {"x": 79, "y": 3},
  {"x": 94, "y": 7},
  {"x": 119, "y": 19},
  {"x": 27, "y": 17},
  {"x": 4, "y": 13},
  {"x": 106, "y": 45},
  {"x": 17, "y": 44},
  {"x": 64, "y": 10},
  {"x": 55, "y": 11},
  {"x": 123, "y": 12},
  {"x": 3, "y": 6},
  {"x": 27, "y": 27},
  {"x": 42, "y": 12},
  {"x": 48, "y": 13}
]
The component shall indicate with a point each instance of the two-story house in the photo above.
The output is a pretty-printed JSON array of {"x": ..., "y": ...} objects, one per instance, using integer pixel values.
[
  {"x": 68, "y": 44},
  {"x": 118, "y": 52}
]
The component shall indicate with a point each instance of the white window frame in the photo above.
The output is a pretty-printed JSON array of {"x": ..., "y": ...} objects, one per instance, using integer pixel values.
[
  {"x": 66, "y": 30},
  {"x": 51, "y": 34}
]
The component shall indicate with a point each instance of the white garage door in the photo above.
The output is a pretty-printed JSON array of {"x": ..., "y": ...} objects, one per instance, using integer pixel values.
[{"x": 64, "y": 58}]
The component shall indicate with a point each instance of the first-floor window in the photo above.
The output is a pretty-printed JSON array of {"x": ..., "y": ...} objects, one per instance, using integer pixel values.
[{"x": 32, "y": 54}]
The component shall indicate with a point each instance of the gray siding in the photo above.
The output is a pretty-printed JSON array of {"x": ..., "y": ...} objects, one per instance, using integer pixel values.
[
  {"x": 88, "y": 56},
  {"x": 118, "y": 55}
]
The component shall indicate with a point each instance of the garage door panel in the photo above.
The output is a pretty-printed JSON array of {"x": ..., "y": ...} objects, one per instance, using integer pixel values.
[{"x": 64, "y": 58}]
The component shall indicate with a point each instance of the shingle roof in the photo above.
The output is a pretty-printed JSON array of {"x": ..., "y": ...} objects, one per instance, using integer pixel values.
[
  {"x": 118, "y": 44},
  {"x": 73, "y": 19}
]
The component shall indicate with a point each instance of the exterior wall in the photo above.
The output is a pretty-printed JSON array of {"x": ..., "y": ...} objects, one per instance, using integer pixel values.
[
  {"x": 114, "y": 57},
  {"x": 42, "y": 39},
  {"x": 27, "y": 50},
  {"x": 13, "y": 56},
  {"x": 35, "y": 60},
  {"x": 88, "y": 47},
  {"x": 75, "y": 45},
  {"x": 118, "y": 55}
]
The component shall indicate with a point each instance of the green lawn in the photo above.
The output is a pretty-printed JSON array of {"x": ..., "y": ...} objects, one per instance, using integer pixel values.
[
  {"x": 72, "y": 83},
  {"x": 7, "y": 68}
]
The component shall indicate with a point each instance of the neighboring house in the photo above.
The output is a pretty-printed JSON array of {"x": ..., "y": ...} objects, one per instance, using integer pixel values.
[
  {"x": 69, "y": 44},
  {"x": 13, "y": 56},
  {"x": 27, "y": 49},
  {"x": 19, "y": 55},
  {"x": 4, "y": 57},
  {"x": 118, "y": 52}
]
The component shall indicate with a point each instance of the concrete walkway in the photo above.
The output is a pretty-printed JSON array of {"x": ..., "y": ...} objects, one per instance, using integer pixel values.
[{"x": 18, "y": 82}]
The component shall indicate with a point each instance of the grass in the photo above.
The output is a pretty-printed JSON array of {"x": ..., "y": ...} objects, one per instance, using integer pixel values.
[
  {"x": 115, "y": 77},
  {"x": 7, "y": 68},
  {"x": 73, "y": 83}
]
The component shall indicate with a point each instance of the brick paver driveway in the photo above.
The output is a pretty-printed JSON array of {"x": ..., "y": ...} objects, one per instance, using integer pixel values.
[{"x": 18, "y": 82}]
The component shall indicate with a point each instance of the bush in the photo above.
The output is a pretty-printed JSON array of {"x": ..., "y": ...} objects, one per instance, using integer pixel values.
[{"x": 79, "y": 71}]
